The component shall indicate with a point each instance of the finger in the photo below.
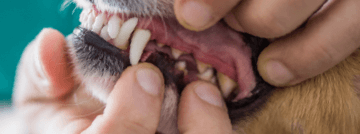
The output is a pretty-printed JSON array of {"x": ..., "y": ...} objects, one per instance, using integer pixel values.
[
  {"x": 328, "y": 38},
  {"x": 272, "y": 18},
  {"x": 202, "y": 110},
  {"x": 135, "y": 103},
  {"x": 43, "y": 71},
  {"x": 198, "y": 15},
  {"x": 55, "y": 63}
]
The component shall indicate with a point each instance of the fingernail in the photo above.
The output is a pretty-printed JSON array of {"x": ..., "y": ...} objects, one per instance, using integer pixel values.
[
  {"x": 196, "y": 14},
  {"x": 209, "y": 94},
  {"x": 149, "y": 80},
  {"x": 278, "y": 73}
]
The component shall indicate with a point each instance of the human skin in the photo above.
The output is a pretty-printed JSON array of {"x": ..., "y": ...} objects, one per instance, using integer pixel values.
[
  {"x": 331, "y": 32},
  {"x": 51, "y": 108}
]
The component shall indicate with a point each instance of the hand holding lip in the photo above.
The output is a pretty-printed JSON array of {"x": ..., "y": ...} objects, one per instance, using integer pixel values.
[
  {"x": 328, "y": 37},
  {"x": 133, "y": 106}
]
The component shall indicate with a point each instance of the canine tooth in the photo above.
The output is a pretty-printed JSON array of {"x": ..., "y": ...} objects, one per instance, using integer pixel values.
[
  {"x": 202, "y": 67},
  {"x": 99, "y": 22},
  {"x": 227, "y": 85},
  {"x": 104, "y": 33},
  {"x": 160, "y": 44},
  {"x": 138, "y": 42},
  {"x": 176, "y": 53},
  {"x": 114, "y": 26},
  {"x": 90, "y": 21},
  {"x": 207, "y": 75},
  {"x": 126, "y": 29}
]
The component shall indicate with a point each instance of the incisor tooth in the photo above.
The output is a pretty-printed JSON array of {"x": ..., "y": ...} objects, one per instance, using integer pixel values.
[
  {"x": 227, "y": 85},
  {"x": 99, "y": 22},
  {"x": 202, "y": 67},
  {"x": 207, "y": 75},
  {"x": 160, "y": 44},
  {"x": 104, "y": 33},
  {"x": 176, "y": 53},
  {"x": 114, "y": 26},
  {"x": 90, "y": 21},
  {"x": 138, "y": 42},
  {"x": 84, "y": 15},
  {"x": 122, "y": 39}
]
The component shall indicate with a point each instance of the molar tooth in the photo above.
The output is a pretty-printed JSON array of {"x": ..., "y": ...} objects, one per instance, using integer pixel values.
[
  {"x": 176, "y": 53},
  {"x": 104, "y": 33},
  {"x": 227, "y": 85},
  {"x": 122, "y": 39},
  {"x": 180, "y": 65},
  {"x": 99, "y": 22},
  {"x": 202, "y": 67},
  {"x": 207, "y": 75},
  {"x": 114, "y": 26},
  {"x": 138, "y": 42},
  {"x": 160, "y": 44}
]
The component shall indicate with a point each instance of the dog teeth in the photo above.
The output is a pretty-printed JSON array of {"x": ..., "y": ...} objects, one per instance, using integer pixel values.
[
  {"x": 104, "y": 33},
  {"x": 202, "y": 67},
  {"x": 114, "y": 26},
  {"x": 99, "y": 22},
  {"x": 207, "y": 75},
  {"x": 227, "y": 85},
  {"x": 176, "y": 53},
  {"x": 138, "y": 42},
  {"x": 181, "y": 65},
  {"x": 84, "y": 15},
  {"x": 160, "y": 44},
  {"x": 126, "y": 29},
  {"x": 90, "y": 21}
]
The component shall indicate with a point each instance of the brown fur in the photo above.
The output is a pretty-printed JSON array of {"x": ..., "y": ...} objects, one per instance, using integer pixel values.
[{"x": 326, "y": 104}]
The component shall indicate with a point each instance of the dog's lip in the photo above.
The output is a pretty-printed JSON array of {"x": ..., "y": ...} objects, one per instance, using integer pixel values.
[{"x": 219, "y": 46}]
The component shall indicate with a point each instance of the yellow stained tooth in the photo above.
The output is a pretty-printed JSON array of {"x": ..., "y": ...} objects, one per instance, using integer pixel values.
[
  {"x": 207, "y": 75},
  {"x": 202, "y": 67},
  {"x": 227, "y": 85},
  {"x": 160, "y": 44},
  {"x": 176, "y": 53}
]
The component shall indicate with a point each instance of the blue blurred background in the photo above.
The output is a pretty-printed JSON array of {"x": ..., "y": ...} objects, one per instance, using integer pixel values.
[{"x": 22, "y": 20}]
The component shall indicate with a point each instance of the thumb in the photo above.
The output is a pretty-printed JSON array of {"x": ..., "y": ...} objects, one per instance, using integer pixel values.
[{"x": 202, "y": 110}]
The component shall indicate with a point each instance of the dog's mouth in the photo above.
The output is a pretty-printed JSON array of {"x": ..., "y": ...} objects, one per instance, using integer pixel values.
[{"x": 107, "y": 43}]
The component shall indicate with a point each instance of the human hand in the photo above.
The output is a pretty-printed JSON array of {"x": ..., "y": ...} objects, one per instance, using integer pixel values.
[
  {"x": 296, "y": 54},
  {"x": 46, "y": 97}
]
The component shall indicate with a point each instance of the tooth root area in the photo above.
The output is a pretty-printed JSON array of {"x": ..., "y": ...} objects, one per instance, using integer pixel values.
[
  {"x": 99, "y": 22},
  {"x": 207, "y": 75},
  {"x": 104, "y": 33},
  {"x": 114, "y": 26},
  {"x": 176, "y": 53},
  {"x": 227, "y": 85},
  {"x": 138, "y": 42},
  {"x": 202, "y": 67},
  {"x": 160, "y": 44},
  {"x": 122, "y": 39}
]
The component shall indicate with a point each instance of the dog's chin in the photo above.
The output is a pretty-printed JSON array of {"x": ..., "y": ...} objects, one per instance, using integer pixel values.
[{"x": 218, "y": 55}]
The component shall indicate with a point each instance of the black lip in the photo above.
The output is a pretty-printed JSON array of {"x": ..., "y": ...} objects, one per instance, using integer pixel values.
[{"x": 98, "y": 56}]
